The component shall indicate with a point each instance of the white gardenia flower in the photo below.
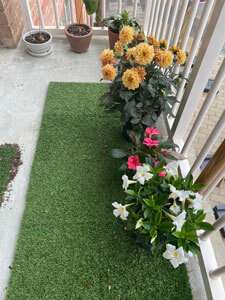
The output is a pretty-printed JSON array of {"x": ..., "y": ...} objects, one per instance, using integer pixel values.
[
  {"x": 126, "y": 181},
  {"x": 120, "y": 211},
  {"x": 176, "y": 256},
  {"x": 197, "y": 202},
  {"x": 181, "y": 194},
  {"x": 179, "y": 220},
  {"x": 142, "y": 174},
  {"x": 175, "y": 208},
  {"x": 171, "y": 168}
]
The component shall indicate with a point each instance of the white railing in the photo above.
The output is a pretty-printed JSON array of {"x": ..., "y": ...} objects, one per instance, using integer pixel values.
[{"x": 173, "y": 20}]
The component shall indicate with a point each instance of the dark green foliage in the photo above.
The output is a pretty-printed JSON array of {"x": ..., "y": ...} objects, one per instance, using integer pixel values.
[
  {"x": 70, "y": 245},
  {"x": 117, "y": 21}
]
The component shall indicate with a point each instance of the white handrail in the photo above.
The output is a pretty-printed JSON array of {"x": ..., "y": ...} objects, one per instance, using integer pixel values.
[
  {"x": 213, "y": 184},
  {"x": 180, "y": 20},
  {"x": 165, "y": 19},
  {"x": 205, "y": 107},
  {"x": 135, "y": 8},
  {"x": 103, "y": 9},
  {"x": 56, "y": 13},
  {"x": 214, "y": 274},
  {"x": 217, "y": 225},
  {"x": 172, "y": 21},
  {"x": 119, "y": 6},
  {"x": 151, "y": 17},
  {"x": 27, "y": 17},
  {"x": 209, "y": 143},
  {"x": 194, "y": 48},
  {"x": 42, "y": 23},
  {"x": 155, "y": 17},
  {"x": 159, "y": 24}
]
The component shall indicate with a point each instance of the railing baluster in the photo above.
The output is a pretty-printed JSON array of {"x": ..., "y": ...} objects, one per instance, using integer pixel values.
[
  {"x": 27, "y": 17},
  {"x": 193, "y": 11},
  {"x": 151, "y": 17},
  {"x": 180, "y": 20},
  {"x": 135, "y": 8},
  {"x": 72, "y": 11},
  {"x": 56, "y": 13},
  {"x": 148, "y": 5},
  {"x": 208, "y": 53},
  {"x": 165, "y": 19},
  {"x": 205, "y": 107},
  {"x": 156, "y": 17},
  {"x": 42, "y": 24},
  {"x": 103, "y": 9},
  {"x": 159, "y": 24},
  {"x": 217, "y": 225},
  {"x": 65, "y": 14},
  {"x": 172, "y": 21},
  {"x": 193, "y": 51},
  {"x": 119, "y": 6},
  {"x": 209, "y": 143},
  {"x": 214, "y": 274}
]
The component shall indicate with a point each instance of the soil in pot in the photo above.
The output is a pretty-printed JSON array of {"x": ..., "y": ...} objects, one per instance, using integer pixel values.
[
  {"x": 78, "y": 30},
  {"x": 38, "y": 38}
]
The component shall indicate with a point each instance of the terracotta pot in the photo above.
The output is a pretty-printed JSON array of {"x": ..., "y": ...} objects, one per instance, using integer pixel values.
[
  {"x": 79, "y": 43},
  {"x": 113, "y": 38}
]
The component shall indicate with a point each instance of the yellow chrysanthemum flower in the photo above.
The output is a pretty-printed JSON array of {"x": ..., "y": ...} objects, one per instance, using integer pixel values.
[
  {"x": 153, "y": 41},
  {"x": 107, "y": 57},
  {"x": 143, "y": 54},
  {"x": 126, "y": 35},
  {"x": 181, "y": 57},
  {"x": 131, "y": 79},
  {"x": 130, "y": 54},
  {"x": 174, "y": 49},
  {"x": 118, "y": 48},
  {"x": 140, "y": 71},
  {"x": 109, "y": 72},
  {"x": 163, "y": 44},
  {"x": 165, "y": 58}
]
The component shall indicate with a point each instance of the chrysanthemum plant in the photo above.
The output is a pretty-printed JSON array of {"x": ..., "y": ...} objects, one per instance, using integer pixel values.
[
  {"x": 149, "y": 149},
  {"x": 143, "y": 78},
  {"x": 163, "y": 210}
]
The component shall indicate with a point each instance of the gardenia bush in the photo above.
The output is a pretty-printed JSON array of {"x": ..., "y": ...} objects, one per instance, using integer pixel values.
[
  {"x": 163, "y": 209},
  {"x": 143, "y": 78}
]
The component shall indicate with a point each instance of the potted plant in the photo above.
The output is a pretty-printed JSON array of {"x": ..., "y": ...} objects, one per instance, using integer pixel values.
[
  {"x": 116, "y": 22},
  {"x": 79, "y": 35},
  {"x": 143, "y": 79},
  {"x": 162, "y": 209},
  {"x": 38, "y": 42}
]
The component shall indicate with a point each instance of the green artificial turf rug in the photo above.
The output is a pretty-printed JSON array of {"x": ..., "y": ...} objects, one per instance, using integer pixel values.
[{"x": 70, "y": 244}]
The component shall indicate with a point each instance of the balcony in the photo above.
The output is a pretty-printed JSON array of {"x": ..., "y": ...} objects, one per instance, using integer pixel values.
[{"x": 23, "y": 91}]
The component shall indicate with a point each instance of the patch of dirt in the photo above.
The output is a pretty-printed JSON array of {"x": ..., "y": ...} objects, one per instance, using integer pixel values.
[
  {"x": 38, "y": 38},
  {"x": 15, "y": 163},
  {"x": 78, "y": 29}
]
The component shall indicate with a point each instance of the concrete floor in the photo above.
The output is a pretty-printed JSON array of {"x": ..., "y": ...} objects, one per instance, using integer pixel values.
[{"x": 23, "y": 86}]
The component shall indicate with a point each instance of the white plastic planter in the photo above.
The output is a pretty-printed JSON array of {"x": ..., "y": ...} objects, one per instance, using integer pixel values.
[{"x": 38, "y": 50}]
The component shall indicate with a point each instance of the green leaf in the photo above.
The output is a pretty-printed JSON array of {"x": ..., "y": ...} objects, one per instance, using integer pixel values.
[
  {"x": 131, "y": 192},
  {"x": 117, "y": 153},
  {"x": 126, "y": 95},
  {"x": 177, "y": 234},
  {"x": 166, "y": 226},
  {"x": 123, "y": 167},
  {"x": 200, "y": 218},
  {"x": 147, "y": 212},
  {"x": 91, "y": 6},
  {"x": 206, "y": 226},
  {"x": 191, "y": 236},
  {"x": 158, "y": 217},
  {"x": 153, "y": 231},
  {"x": 149, "y": 202},
  {"x": 194, "y": 248}
]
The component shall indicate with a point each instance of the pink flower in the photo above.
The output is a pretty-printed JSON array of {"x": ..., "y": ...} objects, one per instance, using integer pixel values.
[
  {"x": 162, "y": 173},
  {"x": 133, "y": 162},
  {"x": 165, "y": 153},
  {"x": 149, "y": 142},
  {"x": 149, "y": 131}
]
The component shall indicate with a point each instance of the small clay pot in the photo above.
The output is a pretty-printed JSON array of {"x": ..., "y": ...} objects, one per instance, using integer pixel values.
[
  {"x": 79, "y": 43},
  {"x": 113, "y": 38}
]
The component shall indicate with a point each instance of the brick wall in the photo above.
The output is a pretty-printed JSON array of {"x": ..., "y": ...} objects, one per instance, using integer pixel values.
[{"x": 11, "y": 23}]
